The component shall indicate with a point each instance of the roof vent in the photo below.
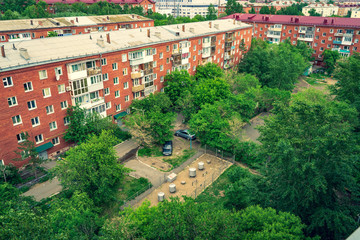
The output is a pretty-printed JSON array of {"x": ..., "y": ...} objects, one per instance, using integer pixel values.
[
  {"x": 108, "y": 38},
  {"x": 209, "y": 24},
  {"x": 148, "y": 32},
  {"x": 325, "y": 21},
  {"x": 157, "y": 34},
  {"x": 100, "y": 43},
  {"x": 31, "y": 22},
  {"x": 24, "y": 53},
  {"x": 183, "y": 28},
  {"x": 216, "y": 26},
  {"x": 3, "y": 51},
  {"x": 296, "y": 20},
  {"x": 192, "y": 30},
  {"x": 332, "y": 21}
]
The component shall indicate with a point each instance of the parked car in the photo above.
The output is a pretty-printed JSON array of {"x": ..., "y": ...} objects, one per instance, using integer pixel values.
[
  {"x": 185, "y": 134},
  {"x": 167, "y": 148}
]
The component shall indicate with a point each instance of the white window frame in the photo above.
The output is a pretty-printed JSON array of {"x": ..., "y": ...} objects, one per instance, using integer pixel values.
[
  {"x": 105, "y": 77},
  {"x": 16, "y": 120},
  {"x": 61, "y": 88},
  {"x": 53, "y": 126},
  {"x": 106, "y": 91},
  {"x": 58, "y": 71},
  {"x": 39, "y": 138},
  {"x": 43, "y": 74},
  {"x": 125, "y": 72},
  {"x": 63, "y": 105},
  {"x": 103, "y": 62},
  {"x": 12, "y": 101},
  {"x": 35, "y": 121},
  {"x": 126, "y": 85},
  {"x": 116, "y": 80},
  {"x": 32, "y": 108},
  {"x": 118, "y": 107},
  {"x": 127, "y": 98},
  {"x": 117, "y": 93},
  {"x": 55, "y": 141},
  {"x": 114, "y": 66},
  {"x": 45, "y": 93},
  {"x": 124, "y": 57},
  {"x": 26, "y": 85},
  {"x": 66, "y": 121},
  {"x": 20, "y": 137},
  {"x": 49, "y": 107},
  {"x": 8, "y": 82}
]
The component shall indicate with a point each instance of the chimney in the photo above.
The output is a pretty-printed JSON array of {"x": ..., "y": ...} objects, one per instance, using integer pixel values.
[
  {"x": 325, "y": 21},
  {"x": 3, "y": 51},
  {"x": 72, "y": 21},
  {"x": 148, "y": 32},
  {"x": 291, "y": 19},
  {"x": 77, "y": 20},
  {"x": 108, "y": 38},
  {"x": 133, "y": 16},
  {"x": 183, "y": 28},
  {"x": 332, "y": 21},
  {"x": 157, "y": 34},
  {"x": 192, "y": 30},
  {"x": 31, "y": 22},
  {"x": 209, "y": 24},
  {"x": 234, "y": 22},
  {"x": 24, "y": 53},
  {"x": 216, "y": 26},
  {"x": 107, "y": 17},
  {"x": 40, "y": 23},
  {"x": 100, "y": 43}
]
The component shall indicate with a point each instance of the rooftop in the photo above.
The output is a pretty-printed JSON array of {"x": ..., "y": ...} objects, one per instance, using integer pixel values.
[
  {"x": 94, "y": 1},
  {"x": 56, "y": 49},
  {"x": 298, "y": 20},
  {"x": 24, "y": 24}
]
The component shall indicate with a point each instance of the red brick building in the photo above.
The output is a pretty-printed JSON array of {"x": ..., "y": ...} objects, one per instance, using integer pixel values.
[
  {"x": 145, "y": 4},
  {"x": 27, "y": 29},
  {"x": 104, "y": 73},
  {"x": 320, "y": 33}
]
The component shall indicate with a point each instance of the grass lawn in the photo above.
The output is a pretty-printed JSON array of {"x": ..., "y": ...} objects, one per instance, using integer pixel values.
[
  {"x": 150, "y": 152},
  {"x": 177, "y": 161},
  {"x": 129, "y": 189},
  {"x": 214, "y": 194}
]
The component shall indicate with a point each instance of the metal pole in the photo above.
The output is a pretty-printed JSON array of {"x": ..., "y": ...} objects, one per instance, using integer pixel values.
[{"x": 190, "y": 144}]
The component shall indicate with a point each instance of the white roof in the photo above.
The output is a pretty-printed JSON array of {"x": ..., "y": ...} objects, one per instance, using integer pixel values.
[{"x": 55, "y": 49}]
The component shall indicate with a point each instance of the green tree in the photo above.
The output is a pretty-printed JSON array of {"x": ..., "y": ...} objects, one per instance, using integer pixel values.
[
  {"x": 330, "y": 58},
  {"x": 178, "y": 83},
  {"x": 313, "y": 12},
  {"x": 348, "y": 86},
  {"x": 211, "y": 13},
  {"x": 310, "y": 145},
  {"x": 240, "y": 83},
  {"x": 294, "y": 9},
  {"x": 233, "y": 7},
  {"x": 272, "y": 10},
  {"x": 264, "y": 10},
  {"x": 37, "y": 11},
  {"x": 27, "y": 152},
  {"x": 252, "y": 10},
  {"x": 92, "y": 167},
  {"x": 208, "y": 71}
]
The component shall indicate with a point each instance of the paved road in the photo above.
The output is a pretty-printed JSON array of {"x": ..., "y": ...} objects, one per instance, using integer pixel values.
[
  {"x": 44, "y": 190},
  {"x": 251, "y": 133},
  {"x": 142, "y": 170},
  {"x": 125, "y": 147}
]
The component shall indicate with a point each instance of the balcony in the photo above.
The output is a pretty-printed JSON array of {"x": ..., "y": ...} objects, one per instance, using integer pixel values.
[
  {"x": 92, "y": 103},
  {"x": 137, "y": 74},
  {"x": 206, "y": 44},
  {"x": 148, "y": 71},
  {"x": 230, "y": 39},
  {"x": 228, "y": 65},
  {"x": 302, "y": 30},
  {"x": 228, "y": 56},
  {"x": 278, "y": 29},
  {"x": 306, "y": 38},
  {"x": 185, "y": 49},
  {"x": 138, "y": 61},
  {"x": 149, "y": 90},
  {"x": 344, "y": 51},
  {"x": 93, "y": 71},
  {"x": 348, "y": 35},
  {"x": 336, "y": 42},
  {"x": 206, "y": 54},
  {"x": 176, "y": 59},
  {"x": 95, "y": 87},
  {"x": 272, "y": 35},
  {"x": 138, "y": 88},
  {"x": 338, "y": 34},
  {"x": 184, "y": 61},
  {"x": 77, "y": 75}
]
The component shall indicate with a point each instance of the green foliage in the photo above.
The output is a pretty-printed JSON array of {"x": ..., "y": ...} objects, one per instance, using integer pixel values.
[
  {"x": 313, "y": 13},
  {"x": 37, "y": 11},
  {"x": 150, "y": 152},
  {"x": 348, "y": 86},
  {"x": 211, "y": 13},
  {"x": 330, "y": 58},
  {"x": 252, "y": 10},
  {"x": 52, "y": 34},
  {"x": 189, "y": 220},
  {"x": 276, "y": 66},
  {"x": 208, "y": 71},
  {"x": 294, "y": 9},
  {"x": 177, "y": 161},
  {"x": 240, "y": 83},
  {"x": 92, "y": 167},
  {"x": 10, "y": 174},
  {"x": 233, "y": 7},
  {"x": 265, "y": 10},
  {"x": 310, "y": 144},
  {"x": 178, "y": 84}
]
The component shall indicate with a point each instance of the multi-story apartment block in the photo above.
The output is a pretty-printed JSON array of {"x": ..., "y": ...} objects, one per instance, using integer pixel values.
[
  {"x": 145, "y": 4},
  {"x": 28, "y": 29},
  {"x": 323, "y": 9},
  {"x": 320, "y": 33},
  {"x": 355, "y": 13},
  {"x": 103, "y": 72},
  {"x": 344, "y": 9}
]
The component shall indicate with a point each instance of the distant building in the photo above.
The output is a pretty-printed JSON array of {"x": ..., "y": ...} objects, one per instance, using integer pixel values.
[
  {"x": 323, "y": 9},
  {"x": 28, "y": 29},
  {"x": 355, "y": 13},
  {"x": 103, "y": 72},
  {"x": 320, "y": 33}
]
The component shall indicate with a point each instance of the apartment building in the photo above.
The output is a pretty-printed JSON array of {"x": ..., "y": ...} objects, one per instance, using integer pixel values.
[
  {"x": 344, "y": 9},
  {"x": 323, "y": 9},
  {"x": 103, "y": 72},
  {"x": 145, "y": 4},
  {"x": 355, "y": 13},
  {"x": 320, "y": 33},
  {"x": 28, "y": 29}
]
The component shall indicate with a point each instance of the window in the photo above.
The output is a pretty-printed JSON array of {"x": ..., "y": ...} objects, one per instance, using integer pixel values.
[
  {"x": 35, "y": 121},
  {"x": 328, "y": 46},
  {"x": 2, "y": 38},
  {"x": 31, "y": 104},
  {"x": 125, "y": 72},
  {"x": 194, "y": 58},
  {"x": 284, "y": 27},
  {"x": 324, "y": 34},
  {"x": 161, "y": 68},
  {"x": 167, "y": 48},
  {"x": 80, "y": 86},
  {"x": 116, "y": 80},
  {"x": 199, "y": 41},
  {"x": 354, "y": 48},
  {"x": 330, "y": 38},
  {"x": 162, "y": 79},
  {"x": 194, "y": 47},
  {"x": 114, "y": 66},
  {"x": 199, "y": 52},
  {"x": 39, "y": 138},
  {"x": 331, "y": 30},
  {"x": 317, "y": 37},
  {"x": 289, "y": 31},
  {"x": 161, "y": 55},
  {"x": 106, "y": 91},
  {"x": 117, "y": 93},
  {"x": 167, "y": 60},
  {"x": 7, "y": 81},
  {"x": 118, "y": 107},
  {"x": 28, "y": 86},
  {"x": 321, "y": 49},
  {"x": 16, "y": 120},
  {"x": 55, "y": 141},
  {"x": 58, "y": 71},
  {"x": 20, "y": 137},
  {"x": 46, "y": 92},
  {"x": 66, "y": 121},
  {"x": 63, "y": 104},
  {"x": 52, "y": 126},
  {"x": 127, "y": 98},
  {"x": 356, "y": 40},
  {"x": 154, "y": 64},
  {"x": 168, "y": 71},
  {"x": 108, "y": 105},
  {"x": 318, "y": 30},
  {"x": 126, "y": 85},
  {"x": 105, "y": 76},
  {"x": 42, "y": 74},
  {"x": 194, "y": 68},
  {"x": 103, "y": 62},
  {"x": 12, "y": 101},
  {"x": 315, "y": 44},
  {"x": 61, "y": 88},
  {"x": 49, "y": 109},
  {"x": 322, "y": 41},
  {"x": 155, "y": 76}
]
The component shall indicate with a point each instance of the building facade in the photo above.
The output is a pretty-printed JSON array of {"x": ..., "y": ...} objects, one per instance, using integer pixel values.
[
  {"x": 323, "y": 9},
  {"x": 103, "y": 73},
  {"x": 28, "y": 29},
  {"x": 355, "y": 13},
  {"x": 320, "y": 33}
]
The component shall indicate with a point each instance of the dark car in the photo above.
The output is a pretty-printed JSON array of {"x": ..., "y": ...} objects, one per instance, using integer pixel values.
[
  {"x": 167, "y": 148},
  {"x": 185, "y": 134}
]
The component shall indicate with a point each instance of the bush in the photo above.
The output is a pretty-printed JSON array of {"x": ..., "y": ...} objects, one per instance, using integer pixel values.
[
  {"x": 149, "y": 152},
  {"x": 236, "y": 173},
  {"x": 12, "y": 175},
  {"x": 24, "y": 189}
]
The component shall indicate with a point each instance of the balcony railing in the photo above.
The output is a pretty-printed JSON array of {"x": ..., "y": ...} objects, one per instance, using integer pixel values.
[
  {"x": 138, "y": 88},
  {"x": 336, "y": 42},
  {"x": 148, "y": 71},
  {"x": 93, "y": 71},
  {"x": 137, "y": 74},
  {"x": 338, "y": 34}
]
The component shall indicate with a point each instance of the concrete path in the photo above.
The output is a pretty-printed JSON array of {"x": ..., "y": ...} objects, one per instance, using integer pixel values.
[
  {"x": 44, "y": 190},
  {"x": 142, "y": 170},
  {"x": 250, "y": 131},
  {"x": 125, "y": 147}
]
